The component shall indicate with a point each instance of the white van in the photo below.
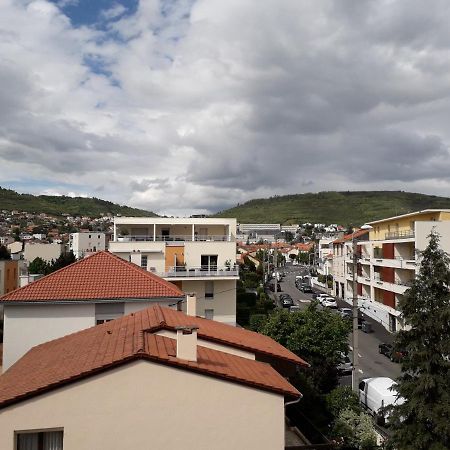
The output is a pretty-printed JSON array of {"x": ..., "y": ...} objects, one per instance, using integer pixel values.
[{"x": 375, "y": 393}]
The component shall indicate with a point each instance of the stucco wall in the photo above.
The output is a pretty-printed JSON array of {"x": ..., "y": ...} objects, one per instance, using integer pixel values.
[
  {"x": 144, "y": 405},
  {"x": 423, "y": 229},
  {"x": 131, "y": 307},
  {"x": 30, "y": 325},
  {"x": 47, "y": 252},
  {"x": 194, "y": 250},
  {"x": 223, "y": 303}
]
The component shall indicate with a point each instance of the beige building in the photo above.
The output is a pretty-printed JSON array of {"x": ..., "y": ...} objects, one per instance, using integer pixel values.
[
  {"x": 140, "y": 382},
  {"x": 82, "y": 244},
  {"x": 47, "y": 252},
  {"x": 388, "y": 261},
  {"x": 196, "y": 254}
]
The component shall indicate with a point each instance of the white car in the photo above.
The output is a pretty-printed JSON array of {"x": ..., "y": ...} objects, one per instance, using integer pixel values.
[
  {"x": 329, "y": 302},
  {"x": 321, "y": 297}
]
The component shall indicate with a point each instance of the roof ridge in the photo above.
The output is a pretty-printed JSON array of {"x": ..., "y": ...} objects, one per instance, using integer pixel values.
[
  {"x": 143, "y": 271},
  {"x": 45, "y": 277}
]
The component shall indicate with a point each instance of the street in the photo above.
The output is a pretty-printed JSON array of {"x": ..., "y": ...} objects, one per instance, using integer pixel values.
[{"x": 372, "y": 364}]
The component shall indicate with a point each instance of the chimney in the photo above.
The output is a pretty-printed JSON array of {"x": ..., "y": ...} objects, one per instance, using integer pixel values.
[
  {"x": 187, "y": 343},
  {"x": 191, "y": 301}
]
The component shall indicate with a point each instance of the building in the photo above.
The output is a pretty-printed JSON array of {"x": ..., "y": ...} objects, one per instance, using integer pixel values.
[
  {"x": 47, "y": 252},
  {"x": 154, "y": 379},
  {"x": 85, "y": 243},
  {"x": 196, "y": 254},
  {"x": 90, "y": 291},
  {"x": 388, "y": 262},
  {"x": 9, "y": 276},
  {"x": 342, "y": 260}
]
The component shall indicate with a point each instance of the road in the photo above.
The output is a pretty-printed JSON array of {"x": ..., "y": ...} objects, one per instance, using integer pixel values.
[{"x": 372, "y": 364}]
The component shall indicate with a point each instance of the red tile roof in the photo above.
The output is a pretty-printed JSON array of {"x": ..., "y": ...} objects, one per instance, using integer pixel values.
[
  {"x": 349, "y": 237},
  {"x": 100, "y": 276},
  {"x": 85, "y": 353},
  {"x": 211, "y": 330}
]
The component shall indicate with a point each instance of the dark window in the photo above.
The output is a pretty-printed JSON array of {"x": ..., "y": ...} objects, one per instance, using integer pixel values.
[{"x": 42, "y": 440}]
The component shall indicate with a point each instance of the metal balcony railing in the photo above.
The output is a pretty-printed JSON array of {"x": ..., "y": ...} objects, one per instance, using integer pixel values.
[
  {"x": 174, "y": 238},
  {"x": 201, "y": 271},
  {"x": 399, "y": 234}
]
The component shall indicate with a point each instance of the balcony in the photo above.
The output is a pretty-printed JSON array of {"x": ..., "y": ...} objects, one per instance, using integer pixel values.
[
  {"x": 175, "y": 238},
  {"x": 404, "y": 234},
  {"x": 201, "y": 272}
]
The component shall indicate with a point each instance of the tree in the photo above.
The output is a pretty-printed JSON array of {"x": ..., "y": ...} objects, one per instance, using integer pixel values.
[
  {"x": 355, "y": 430},
  {"x": 340, "y": 399},
  {"x": 423, "y": 420},
  {"x": 318, "y": 336},
  {"x": 4, "y": 253},
  {"x": 63, "y": 260},
  {"x": 38, "y": 265}
]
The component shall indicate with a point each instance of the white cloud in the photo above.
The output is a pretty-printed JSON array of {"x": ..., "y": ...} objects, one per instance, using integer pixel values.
[{"x": 220, "y": 102}]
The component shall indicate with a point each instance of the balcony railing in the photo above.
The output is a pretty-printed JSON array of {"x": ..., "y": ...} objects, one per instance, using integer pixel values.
[
  {"x": 201, "y": 271},
  {"x": 399, "y": 234},
  {"x": 174, "y": 238}
]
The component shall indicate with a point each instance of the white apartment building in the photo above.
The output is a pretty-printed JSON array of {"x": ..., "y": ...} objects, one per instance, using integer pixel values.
[
  {"x": 325, "y": 256},
  {"x": 388, "y": 262},
  {"x": 85, "y": 243},
  {"x": 196, "y": 254}
]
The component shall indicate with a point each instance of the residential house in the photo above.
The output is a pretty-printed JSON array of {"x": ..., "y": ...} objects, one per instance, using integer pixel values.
[
  {"x": 196, "y": 254},
  {"x": 85, "y": 243},
  {"x": 88, "y": 292},
  {"x": 155, "y": 379}
]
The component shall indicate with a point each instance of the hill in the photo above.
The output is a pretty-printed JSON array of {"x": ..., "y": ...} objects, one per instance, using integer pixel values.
[
  {"x": 58, "y": 205},
  {"x": 343, "y": 208}
]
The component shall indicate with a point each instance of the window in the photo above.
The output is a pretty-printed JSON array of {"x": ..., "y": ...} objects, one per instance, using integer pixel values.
[
  {"x": 209, "y": 314},
  {"x": 144, "y": 260},
  {"x": 209, "y": 262},
  {"x": 104, "y": 312},
  {"x": 41, "y": 440},
  {"x": 209, "y": 289},
  {"x": 89, "y": 236}
]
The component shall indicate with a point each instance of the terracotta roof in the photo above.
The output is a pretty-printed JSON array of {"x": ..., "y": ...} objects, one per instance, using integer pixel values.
[
  {"x": 211, "y": 330},
  {"x": 349, "y": 237},
  {"x": 85, "y": 353},
  {"x": 100, "y": 276}
]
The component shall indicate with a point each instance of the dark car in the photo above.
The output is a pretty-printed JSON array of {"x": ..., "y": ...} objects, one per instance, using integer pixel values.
[
  {"x": 393, "y": 355},
  {"x": 287, "y": 302},
  {"x": 306, "y": 288}
]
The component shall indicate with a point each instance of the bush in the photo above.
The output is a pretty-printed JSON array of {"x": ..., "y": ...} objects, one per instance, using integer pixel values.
[
  {"x": 342, "y": 398},
  {"x": 256, "y": 320}
]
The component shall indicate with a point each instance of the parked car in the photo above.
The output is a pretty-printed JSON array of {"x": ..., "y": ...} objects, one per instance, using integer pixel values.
[
  {"x": 346, "y": 313},
  {"x": 321, "y": 296},
  {"x": 346, "y": 365},
  {"x": 329, "y": 302},
  {"x": 294, "y": 308},
  {"x": 393, "y": 355},
  {"x": 287, "y": 302},
  {"x": 306, "y": 288},
  {"x": 375, "y": 394}
]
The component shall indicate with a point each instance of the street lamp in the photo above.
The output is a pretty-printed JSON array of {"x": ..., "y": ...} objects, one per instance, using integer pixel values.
[{"x": 355, "y": 342}]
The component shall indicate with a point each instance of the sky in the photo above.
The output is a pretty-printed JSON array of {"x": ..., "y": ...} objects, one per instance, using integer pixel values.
[{"x": 193, "y": 106}]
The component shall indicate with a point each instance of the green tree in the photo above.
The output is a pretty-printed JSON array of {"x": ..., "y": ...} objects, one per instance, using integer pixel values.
[
  {"x": 4, "y": 253},
  {"x": 355, "y": 430},
  {"x": 340, "y": 399},
  {"x": 38, "y": 265},
  {"x": 16, "y": 234},
  {"x": 62, "y": 261},
  {"x": 318, "y": 336},
  {"x": 422, "y": 422}
]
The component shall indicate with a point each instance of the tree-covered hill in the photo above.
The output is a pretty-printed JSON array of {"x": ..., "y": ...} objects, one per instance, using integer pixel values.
[
  {"x": 342, "y": 208},
  {"x": 58, "y": 205}
]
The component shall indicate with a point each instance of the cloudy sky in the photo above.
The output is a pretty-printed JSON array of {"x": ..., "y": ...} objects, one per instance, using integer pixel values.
[{"x": 189, "y": 106}]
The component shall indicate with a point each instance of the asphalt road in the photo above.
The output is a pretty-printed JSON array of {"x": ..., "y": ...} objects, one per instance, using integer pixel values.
[{"x": 372, "y": 364}]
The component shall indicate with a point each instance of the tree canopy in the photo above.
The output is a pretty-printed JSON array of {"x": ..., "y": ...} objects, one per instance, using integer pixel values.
[{"x": 422, "y": 422}]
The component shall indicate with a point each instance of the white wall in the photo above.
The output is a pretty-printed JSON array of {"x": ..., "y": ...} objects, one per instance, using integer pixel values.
[
  {"x": 144, "y": 405},
  {"x": 28, "y": 325},
  {"x": 131, "y": 307},
  {"x": 194, "y": 250},
  {"x": 47, "y": 252}
]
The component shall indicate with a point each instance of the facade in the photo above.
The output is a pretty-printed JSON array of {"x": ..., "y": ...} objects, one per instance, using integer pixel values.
[
  {"x": 196, "y": 254},
  {"x": 86, "y": 243},
  {"x": 388, "y": 262},
  {"x": 140, "y": 382},
  {"x": 47, "y": 252},
  {"x": 90, "y": 291},
  {"x": 9, "y": 276},
  {"x": 325, "y": 255}
]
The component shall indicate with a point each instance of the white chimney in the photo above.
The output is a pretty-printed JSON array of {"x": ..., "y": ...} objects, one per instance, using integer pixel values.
[
  {"x": 191, "y": 301},
  {"x": 187, "y": 343}
]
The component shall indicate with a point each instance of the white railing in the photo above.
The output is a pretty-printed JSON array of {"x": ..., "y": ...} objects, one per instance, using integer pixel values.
[
  {"x": 175, "y": 237},
  {"x": 202, "y": 271}
]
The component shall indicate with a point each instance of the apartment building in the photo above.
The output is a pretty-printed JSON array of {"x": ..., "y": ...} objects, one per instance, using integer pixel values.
[
  {"x": 388, "y": 262},
  {"x": 84, "y": 243},
  {"x": 196, "y": 254}
]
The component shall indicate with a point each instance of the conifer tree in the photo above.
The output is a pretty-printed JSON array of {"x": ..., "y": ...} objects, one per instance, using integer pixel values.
[{"x": 422, "y": 422}]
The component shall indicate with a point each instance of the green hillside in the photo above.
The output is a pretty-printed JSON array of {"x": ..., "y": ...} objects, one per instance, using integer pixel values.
[
  {"x": 343, "y": 208},
  {"x": 58, "y": 205}
]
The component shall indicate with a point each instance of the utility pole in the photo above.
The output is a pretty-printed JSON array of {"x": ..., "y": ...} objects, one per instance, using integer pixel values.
[
  {"x": 355, "y": 371},
  {"x": 275, "y": 264}
]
